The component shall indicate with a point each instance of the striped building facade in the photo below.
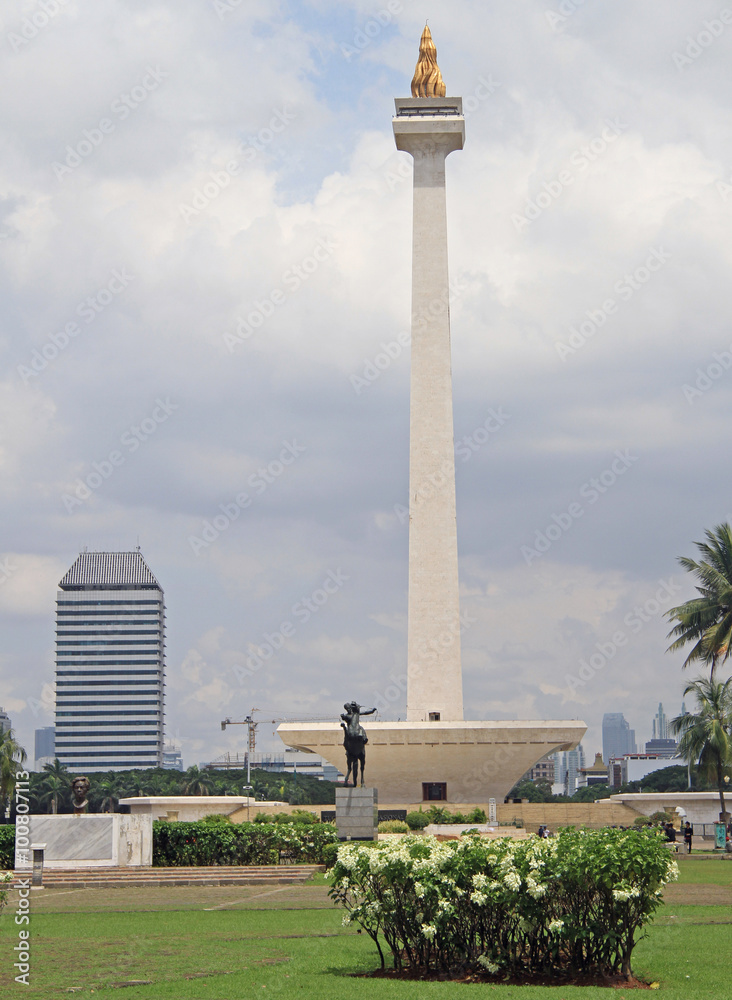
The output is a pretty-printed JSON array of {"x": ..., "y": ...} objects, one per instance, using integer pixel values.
[{"x": 110, "y": 664}]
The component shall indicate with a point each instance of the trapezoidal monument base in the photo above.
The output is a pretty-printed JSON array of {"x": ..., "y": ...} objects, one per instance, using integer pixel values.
[{"x": 451, "y": 761}]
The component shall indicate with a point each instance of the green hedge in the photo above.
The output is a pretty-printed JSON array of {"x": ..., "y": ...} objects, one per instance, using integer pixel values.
[
  {"x": 7, "y": 847},
  {"x": 297, "y": 816},
  {"x": 184, "y": 844}
]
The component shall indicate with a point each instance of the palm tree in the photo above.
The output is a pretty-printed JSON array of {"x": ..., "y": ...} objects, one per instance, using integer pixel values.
[
  {"x": 197, "y": 782},
  {"x": 57, "y": 768},
  {"x": 108, "y": 788},
  {"x": 706, "y": 621},
  {"x": 12, "y": 759},
  {"x": 135, "y": 783},
  {"x": 53, "y": 789},
  {"x": 705, "y": 735},
  {"x": 55, "y": 785}
]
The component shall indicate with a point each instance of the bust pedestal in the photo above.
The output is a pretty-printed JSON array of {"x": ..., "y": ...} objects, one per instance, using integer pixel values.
[{"x": 357, "y": 816}]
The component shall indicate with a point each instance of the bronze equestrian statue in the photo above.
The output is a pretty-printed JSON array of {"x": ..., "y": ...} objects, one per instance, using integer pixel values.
[{"x": 355, "y": 739}]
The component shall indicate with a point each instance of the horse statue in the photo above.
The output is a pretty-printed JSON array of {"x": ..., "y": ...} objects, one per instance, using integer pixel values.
[{"x": 355, "y": 739}]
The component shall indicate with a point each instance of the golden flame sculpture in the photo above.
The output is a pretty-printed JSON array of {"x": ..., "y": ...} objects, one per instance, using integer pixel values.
[{"x": 427, "y": 80}]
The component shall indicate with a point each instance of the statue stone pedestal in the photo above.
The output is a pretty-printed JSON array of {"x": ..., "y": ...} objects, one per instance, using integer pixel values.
[{"x": 357, "y": 816}]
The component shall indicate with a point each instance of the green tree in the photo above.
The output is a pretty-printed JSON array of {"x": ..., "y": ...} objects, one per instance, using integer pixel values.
[
  {"x": 55, "y": 786},
  {"x": 52, "y": 792},
  {"x": 12, "y": 759},
  {"x": 136, "y": 783},
  {"x": 591, "y": 792},
  {"x": 533, "y": 791},
  {"x": 704, "y": 735},
  {"x": 109, "y": 794},
  {"x": 705, "y": 622},
  {"x": 197, "y": 782}
]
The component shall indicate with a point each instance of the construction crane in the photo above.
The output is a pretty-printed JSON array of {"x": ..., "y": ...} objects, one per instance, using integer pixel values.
[{"x": 251, "y": 725}]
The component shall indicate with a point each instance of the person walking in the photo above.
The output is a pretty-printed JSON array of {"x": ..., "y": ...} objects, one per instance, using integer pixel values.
[{"x": 688, "y": 834}]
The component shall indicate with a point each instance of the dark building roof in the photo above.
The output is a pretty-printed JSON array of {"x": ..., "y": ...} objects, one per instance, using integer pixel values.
[{"x": 109, "y": 570}]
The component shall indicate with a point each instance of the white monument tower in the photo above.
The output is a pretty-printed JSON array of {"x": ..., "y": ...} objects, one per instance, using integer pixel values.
[
  {"x": 434, "y": 755},
  {"x": 429, "y": 126}
]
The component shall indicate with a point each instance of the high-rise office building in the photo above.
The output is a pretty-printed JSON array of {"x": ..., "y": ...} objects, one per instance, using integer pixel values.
[
  {"x": 662, "y": 748},
  {"x": 45, "y": 747},
  {"x": 172, "y": 757},
  {"x": 567, "y": 764},
  {"x": 660, "y": 724},
  {"x": 110, "y": 664},
  {"x": 617, "y": 736}
]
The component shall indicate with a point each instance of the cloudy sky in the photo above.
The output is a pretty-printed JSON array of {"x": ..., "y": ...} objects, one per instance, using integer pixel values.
[{"x": 205, "y": 300}]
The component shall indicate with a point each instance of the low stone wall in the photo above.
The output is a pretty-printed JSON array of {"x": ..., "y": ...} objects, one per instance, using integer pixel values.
[
  {"x": 531, "y": 814},
  {"x": 88, "y": 841},
  {"x": 558, "y": 814}
]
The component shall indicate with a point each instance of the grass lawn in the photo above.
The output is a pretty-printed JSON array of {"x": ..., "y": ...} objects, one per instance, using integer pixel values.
[{"x": 195, "y": 943}]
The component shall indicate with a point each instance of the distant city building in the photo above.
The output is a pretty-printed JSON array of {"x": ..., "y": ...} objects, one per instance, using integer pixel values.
[
  {"x": 595, "y": 774},
  {"x": 5, "y": 723},
  {"x": 660, "y": 725},
  {"x": 635, "y": 767},
  {"x": 543, "y": 770},
  {"x": 110, "y": 664},
  {"x": 662, "y": 748},
  {"x": 567, "y": 764},
  {"x": 618, "y": 738},
  {"x": 172, "y": 757},
  {"x": 45, "y": 742},
  {"x": 289, "y": 762}
]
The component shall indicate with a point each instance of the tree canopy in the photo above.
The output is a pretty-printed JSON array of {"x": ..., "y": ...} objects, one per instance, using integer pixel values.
[{"x": 705, "y": 622}]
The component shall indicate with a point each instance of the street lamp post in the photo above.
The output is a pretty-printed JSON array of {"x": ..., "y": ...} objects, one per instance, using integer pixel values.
[{"x": 248, "y": 789}]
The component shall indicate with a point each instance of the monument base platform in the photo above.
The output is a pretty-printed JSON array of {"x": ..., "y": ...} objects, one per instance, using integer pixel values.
[
  {"x": 357, "y": 813},
  {"x": 454, "y": 762}
]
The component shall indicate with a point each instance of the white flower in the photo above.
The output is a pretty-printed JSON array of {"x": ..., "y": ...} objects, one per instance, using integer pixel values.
[
  {"x": 479, "y": 880},
  {"x": 513, "y": 880},
  {"x": 488, "y": 964},
  {"x": 534, "y": 889},
  {"x": 479, "y": 898},
  {"x": 346, "y": 919},
  {"x": 621, "y": 895},
  {"x": 555, "y": 926},
  {"x": 429, "y": 931},
  {"x": 419, "y": 889}
]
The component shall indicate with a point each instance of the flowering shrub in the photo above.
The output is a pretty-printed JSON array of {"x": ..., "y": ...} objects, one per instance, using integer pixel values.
[
  {"x": 573, "y": 902},
  {"x": 181, "y": 844}
]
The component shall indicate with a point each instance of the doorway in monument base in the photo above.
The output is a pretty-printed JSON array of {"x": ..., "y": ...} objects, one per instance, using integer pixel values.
[{"x": 434, "y": 791}]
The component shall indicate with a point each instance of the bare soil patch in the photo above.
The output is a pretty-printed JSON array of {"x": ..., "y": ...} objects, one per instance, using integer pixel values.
[
  {"x": 527, "y": 979},
  {"x": 698, "y": 894}
]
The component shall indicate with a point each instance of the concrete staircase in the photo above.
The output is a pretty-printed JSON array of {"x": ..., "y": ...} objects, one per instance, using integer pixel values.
[{"x": 98, "y": 878}]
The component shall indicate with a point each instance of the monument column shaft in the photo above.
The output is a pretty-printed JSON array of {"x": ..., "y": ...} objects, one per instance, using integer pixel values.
[{"x": 434, "y": 671}]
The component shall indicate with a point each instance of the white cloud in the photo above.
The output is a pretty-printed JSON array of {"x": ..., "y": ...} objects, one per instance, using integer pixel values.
[{"x": 332, "y": 178}]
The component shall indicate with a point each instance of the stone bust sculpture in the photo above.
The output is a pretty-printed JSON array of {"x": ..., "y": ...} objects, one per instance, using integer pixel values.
[{"x": 79, "y": 788}]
